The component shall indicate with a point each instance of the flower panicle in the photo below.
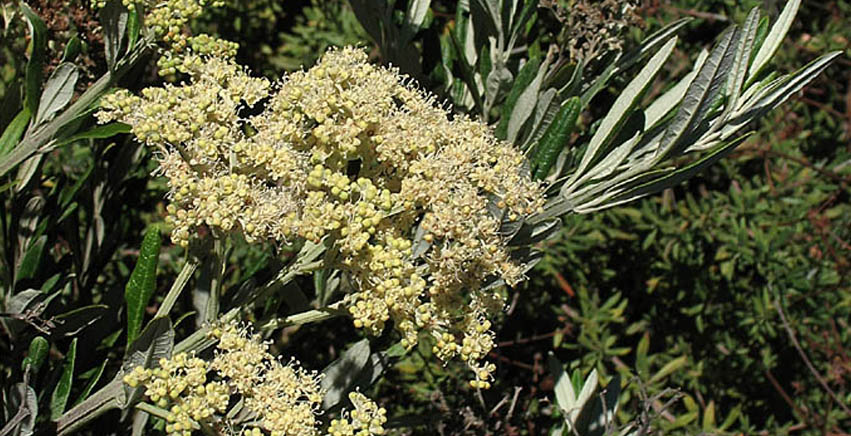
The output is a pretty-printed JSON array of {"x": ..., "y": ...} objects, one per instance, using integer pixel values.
[{"x": 411, "y": 198}]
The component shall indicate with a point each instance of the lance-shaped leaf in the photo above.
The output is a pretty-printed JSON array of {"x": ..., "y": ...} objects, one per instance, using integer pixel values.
[
  {"x": 142, "y": 281},
  {"x": 668, "y": 101},
  {"x": 98, "y": 132},
  {"x": 93, "y": 381},
  {"x": 775, "y": 93},
  {"x": 775, "y": 37},
  {"x": 36, "y": 354},
  {"x": 341, "y": 374},
  {"x": 72, "y": 49},
  {"x": 739, "y": 70},
  {"x": 526, "y": 104},
  {"x": 156, "y": 341},
  {"x": 565, "y": 395},
  {"x": 134, "y": 27},
  {"x": 620, "y": 112},
  {"x": 35, "y": 64},
  {"x": 114, "y": 18},
  {"x": 14, "y": 131},
  {"x": 31, "y": 259},
  {"x": 555, "y": 138},
  {"x": 680, "y": 175},
  {"x": 59, "y": 398},
  {"x": 700, "y": 95},
  {"x": 414, "y": 17},
  {"x": 57, "y": 91},
  {"x": 524, "y": 78}
]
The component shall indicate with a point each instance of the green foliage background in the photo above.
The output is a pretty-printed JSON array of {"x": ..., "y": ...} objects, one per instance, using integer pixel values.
[{"x": 690, "y": 296}]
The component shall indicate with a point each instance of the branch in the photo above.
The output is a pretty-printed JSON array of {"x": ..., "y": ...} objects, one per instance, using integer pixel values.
[{"x": 807, "y": 360}]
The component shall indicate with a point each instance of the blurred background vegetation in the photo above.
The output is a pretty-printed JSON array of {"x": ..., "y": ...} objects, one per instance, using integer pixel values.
[{"x": 724, "y": 304}]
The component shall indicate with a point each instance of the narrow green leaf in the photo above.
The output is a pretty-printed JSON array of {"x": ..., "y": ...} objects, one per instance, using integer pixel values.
[
  {"x": 156, "y": 341},
  {"x": 98, "y": 132},
  {"x": 93, "y": 381},
  {"x": 668, "y": 101},
  {"x": 342, "y": 373},
  {"x": 700, "y": 94},
  {"x": 775, "y": 37},
  {"x": 525, "y": 104},
  {"x": 26, "y": 172},
  {"x": 134, "y": 27},
  {"x": 36, "y": 354},
  {"x": 739, "y": 70},
  {"x": 789, "y": 85},
  {"x": 35, "y": 64},
  {"x": 642, "y": 363},
  {"x": 600, "y": 82},
  {"x": 58, "y": 91},
  {"x": 545, "y": 111},
  {"x": 620, "y": 111},
  {"x": 414, "y": 18},
  {"x": 59, "y": 398},
  {"x": 709, "y": 417},
  {"x": 142, "y": 281},
  {"x": 731, "y": 417},
  {"x": 555, "y": 138},
  {"x": 565, "y": 395},
  {"x": 31, "y": 260},
  {"x": 669, "y": 369},
  {"x": 678, "y": 176},
  {"x": 524, "y": 77},
  {"x": 72, "y": 49},
  {"x": 114, "y": 18},
  {"x": 683, "y": 420},
  {"x": 761, "y": 34},
  {"x": 778, "y": 91},
  {"x": 14, "y": 131}
]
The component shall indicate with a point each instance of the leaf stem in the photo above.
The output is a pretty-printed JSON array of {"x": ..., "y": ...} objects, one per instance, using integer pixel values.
[
  {"x": 177, "y": 287},
  {"x": 41, "y": 138},
  {"x": 306, "y": 317}
]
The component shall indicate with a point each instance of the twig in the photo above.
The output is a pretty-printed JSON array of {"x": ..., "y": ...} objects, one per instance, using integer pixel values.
[
  {"x": 498, "y": 405},
  {"x": 517, "y": 390},
  {"x": 807, "y": 362},
  {"x": 785, "y": 396},
  {"x": 23, "y": 413},
  {"x": 522, "y": 341}
]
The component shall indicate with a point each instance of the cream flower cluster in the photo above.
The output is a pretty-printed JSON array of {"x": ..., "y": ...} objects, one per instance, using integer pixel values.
[
  {"x": 411, "y": 199},
  {"x": 367, "y": 418},
  {"x": 167, "y": 20},
  {"x": 280, "y": 399}
]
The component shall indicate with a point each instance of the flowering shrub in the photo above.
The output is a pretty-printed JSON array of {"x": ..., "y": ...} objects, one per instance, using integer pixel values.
[{"x": 408, "y": 199}]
